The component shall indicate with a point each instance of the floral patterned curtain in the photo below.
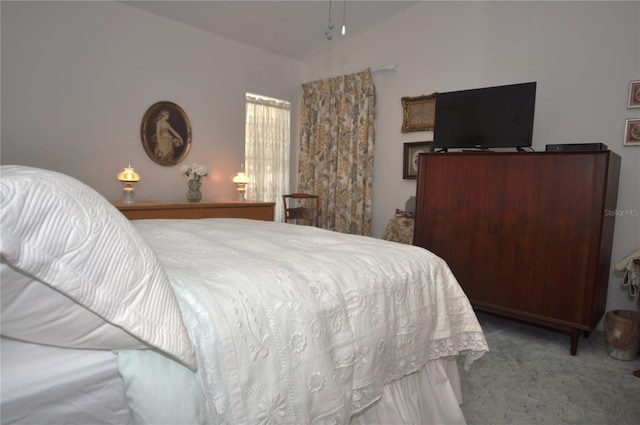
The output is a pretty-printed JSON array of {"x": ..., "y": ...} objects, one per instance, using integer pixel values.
[{"x": 336, "y": 149}]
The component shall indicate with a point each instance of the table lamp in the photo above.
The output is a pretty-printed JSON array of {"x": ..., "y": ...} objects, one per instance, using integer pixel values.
[
  {"x": 128, "y": 177},
  {"x": 241, "y": 181}
]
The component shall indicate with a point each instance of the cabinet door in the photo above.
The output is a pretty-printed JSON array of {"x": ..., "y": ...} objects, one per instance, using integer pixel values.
[
  {"x": 569, "y": 215},
  {"x": 452, "y": 216},
  {"x": 511, "y": 251}
]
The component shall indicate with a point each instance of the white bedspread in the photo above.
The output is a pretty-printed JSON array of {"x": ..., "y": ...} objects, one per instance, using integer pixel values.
[{"x": 294, "y": 324}]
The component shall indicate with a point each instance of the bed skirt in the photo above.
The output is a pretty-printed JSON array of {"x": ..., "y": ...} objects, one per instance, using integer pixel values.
[{"x": 429, "y": 396}]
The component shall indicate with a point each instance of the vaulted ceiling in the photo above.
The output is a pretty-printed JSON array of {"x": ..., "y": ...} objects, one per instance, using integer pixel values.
[{"x": 295, "y": 29}]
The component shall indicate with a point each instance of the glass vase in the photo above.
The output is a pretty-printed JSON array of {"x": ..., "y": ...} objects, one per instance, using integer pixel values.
[{"x": 194, "y": 194}]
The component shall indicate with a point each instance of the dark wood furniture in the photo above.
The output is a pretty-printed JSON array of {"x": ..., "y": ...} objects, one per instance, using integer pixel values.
[
  {"x": 222, "y": 209},
  {"x": 528, "y": 235},
  {"x": 302, "y": 208}
]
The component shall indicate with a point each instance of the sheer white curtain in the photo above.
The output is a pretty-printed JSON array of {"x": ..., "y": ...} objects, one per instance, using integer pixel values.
[{"x": 267, "y": 140}]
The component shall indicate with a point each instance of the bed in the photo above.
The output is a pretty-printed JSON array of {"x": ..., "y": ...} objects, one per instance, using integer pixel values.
[{"x": 218, "y": 321}]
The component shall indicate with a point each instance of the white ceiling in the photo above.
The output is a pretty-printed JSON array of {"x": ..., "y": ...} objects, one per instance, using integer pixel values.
[{"x": 294, "y": 28}]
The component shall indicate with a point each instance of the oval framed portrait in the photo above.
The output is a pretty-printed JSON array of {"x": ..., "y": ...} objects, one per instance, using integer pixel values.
[{"x": 166, "y": 133}]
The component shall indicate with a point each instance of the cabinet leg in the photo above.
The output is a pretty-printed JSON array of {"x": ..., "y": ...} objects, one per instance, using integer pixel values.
[{"x": 575, "y": 337}]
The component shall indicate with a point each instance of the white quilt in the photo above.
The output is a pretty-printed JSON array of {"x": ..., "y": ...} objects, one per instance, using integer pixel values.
[{"x": 294, "y": 324}]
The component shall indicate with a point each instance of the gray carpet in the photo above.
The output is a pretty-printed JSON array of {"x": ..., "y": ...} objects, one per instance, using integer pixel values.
[{"x": 529, "y": 377}]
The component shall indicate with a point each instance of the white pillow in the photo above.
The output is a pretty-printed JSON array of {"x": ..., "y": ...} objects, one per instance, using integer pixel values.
[{"x": 62, "y": 233}]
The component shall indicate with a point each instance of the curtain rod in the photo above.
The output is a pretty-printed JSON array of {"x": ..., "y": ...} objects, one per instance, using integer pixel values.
[{"x": 390, "y": 67}]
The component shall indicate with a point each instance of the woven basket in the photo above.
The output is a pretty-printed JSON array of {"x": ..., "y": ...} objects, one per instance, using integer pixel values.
[{"x": 622, "y": 329}]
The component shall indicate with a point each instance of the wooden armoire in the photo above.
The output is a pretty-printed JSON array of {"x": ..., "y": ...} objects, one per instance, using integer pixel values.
[{"x": 528, "y": 235}]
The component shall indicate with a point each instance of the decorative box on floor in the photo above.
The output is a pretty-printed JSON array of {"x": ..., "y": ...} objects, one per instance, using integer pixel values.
[{"x": 621, "y": 329}]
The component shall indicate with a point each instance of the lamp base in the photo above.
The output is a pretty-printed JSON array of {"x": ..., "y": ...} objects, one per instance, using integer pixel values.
[
  {"x": 127, "y": 194},
  {"x": 241, "y": 189}
]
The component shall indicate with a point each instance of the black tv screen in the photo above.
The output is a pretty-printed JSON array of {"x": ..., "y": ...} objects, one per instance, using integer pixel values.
[{"x": 491, "y": 117}]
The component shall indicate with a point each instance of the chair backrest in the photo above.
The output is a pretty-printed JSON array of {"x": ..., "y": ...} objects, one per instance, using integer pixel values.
[{"x": 302, "y": 208}]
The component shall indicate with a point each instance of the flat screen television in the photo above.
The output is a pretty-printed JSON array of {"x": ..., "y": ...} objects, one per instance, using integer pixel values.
[{"x": 485, "y": 118}]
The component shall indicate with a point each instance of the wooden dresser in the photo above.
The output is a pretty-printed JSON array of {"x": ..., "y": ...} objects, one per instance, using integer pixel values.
[
  {"x": 223, "y": 209},
  {"x": 528, "y": 235}
]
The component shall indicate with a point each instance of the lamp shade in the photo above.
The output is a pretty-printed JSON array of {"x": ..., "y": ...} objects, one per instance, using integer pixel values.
[
  {"x": 128, "y": 175},
  {"x": 241, "y": 178}
]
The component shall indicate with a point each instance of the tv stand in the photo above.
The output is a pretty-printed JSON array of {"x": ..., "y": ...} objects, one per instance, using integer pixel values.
[{"x": 533, "y": 241}]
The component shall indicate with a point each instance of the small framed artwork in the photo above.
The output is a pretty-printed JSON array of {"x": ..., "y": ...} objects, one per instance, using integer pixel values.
[
  {"x": 632, "y": 132},
  {"x": 418, "y": 113},
  {"x": 411, "y": 152},
  {"x": 634, "y": 94},
  {"x": 166, "y": 133}
]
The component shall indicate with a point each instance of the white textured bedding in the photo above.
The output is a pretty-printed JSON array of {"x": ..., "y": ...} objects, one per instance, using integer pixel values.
[
  {"x": 59, "y": 233},
  {"x": 294, "y": 324},
  {"x": 290, "y": 324}
]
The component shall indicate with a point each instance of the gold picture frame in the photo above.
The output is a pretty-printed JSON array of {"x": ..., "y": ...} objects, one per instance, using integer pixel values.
[
  {"x": 166, "y": 133},
  {"x": 418, "y": 113},
  {"x": 410, "y": 163}
]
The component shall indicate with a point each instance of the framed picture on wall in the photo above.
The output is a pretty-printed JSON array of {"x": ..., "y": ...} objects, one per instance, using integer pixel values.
[
  {"x": 410, "y": 163},
  {"x": 634, "y": 94},
  {"x": 166, "y": 133},
  {"x": 418, "y": 113},
  {"x": 632, "y": 132}
]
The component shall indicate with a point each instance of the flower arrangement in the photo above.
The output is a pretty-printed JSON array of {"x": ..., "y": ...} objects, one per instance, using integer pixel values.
[{"x": 194, "y": 171}]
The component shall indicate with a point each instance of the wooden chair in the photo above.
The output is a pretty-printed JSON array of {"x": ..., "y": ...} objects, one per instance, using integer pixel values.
[{"x": 302, "y": 208}]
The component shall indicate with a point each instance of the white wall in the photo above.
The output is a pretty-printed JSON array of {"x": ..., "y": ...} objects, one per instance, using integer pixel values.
[
  {"x": 582, "y": 54},
  {"x": 77, "y": 78}
]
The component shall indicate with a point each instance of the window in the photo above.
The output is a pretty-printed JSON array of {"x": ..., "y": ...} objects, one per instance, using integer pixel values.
[{"x": 267, "y": 139}]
